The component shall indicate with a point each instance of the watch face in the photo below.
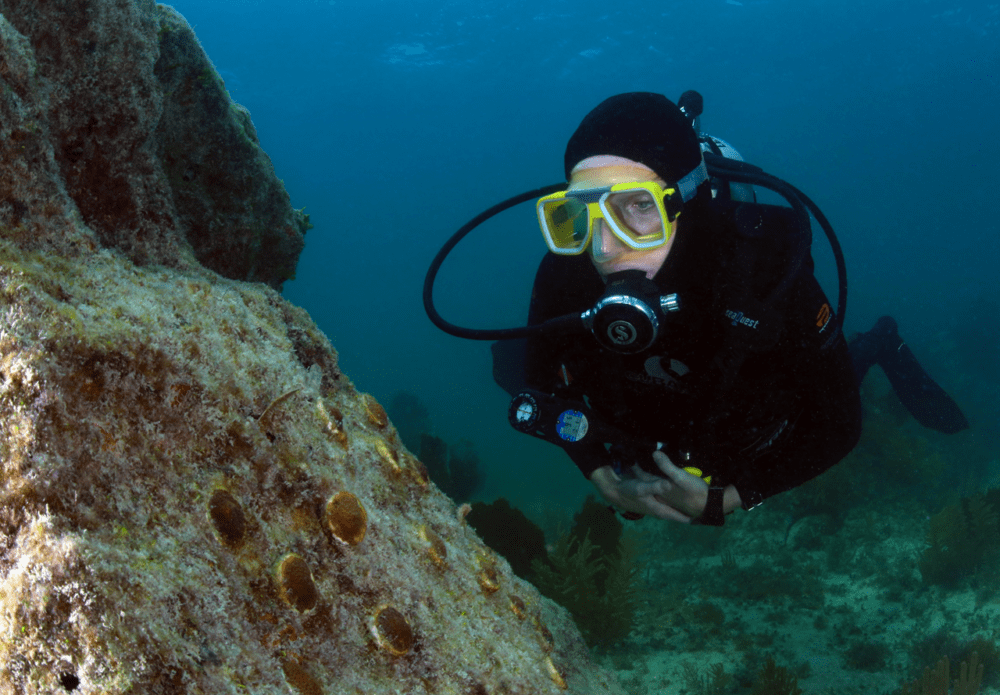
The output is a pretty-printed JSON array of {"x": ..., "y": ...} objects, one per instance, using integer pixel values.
[{"x": 572, "y": 425}]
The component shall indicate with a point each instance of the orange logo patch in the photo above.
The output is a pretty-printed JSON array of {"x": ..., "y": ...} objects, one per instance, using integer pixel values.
[{"x": 823, "y": 317}]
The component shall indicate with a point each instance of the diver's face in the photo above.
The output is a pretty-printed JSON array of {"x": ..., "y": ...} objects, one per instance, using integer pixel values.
[{"x": 608, "y": 253}]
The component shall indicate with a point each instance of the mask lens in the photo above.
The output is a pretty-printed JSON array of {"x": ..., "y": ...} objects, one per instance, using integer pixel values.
[
  {"x": 637, "y": 214},
  {"x": 566, "y": 223}
]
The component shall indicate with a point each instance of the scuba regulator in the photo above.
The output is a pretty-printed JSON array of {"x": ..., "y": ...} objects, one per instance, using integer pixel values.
[{"x": 628, "y": 317}]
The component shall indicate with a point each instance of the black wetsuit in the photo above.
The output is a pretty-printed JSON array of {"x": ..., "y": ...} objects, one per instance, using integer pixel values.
[{"x": 762, "y": 405}]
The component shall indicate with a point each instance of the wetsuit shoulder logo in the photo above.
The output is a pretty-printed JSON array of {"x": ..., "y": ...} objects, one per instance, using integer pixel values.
[{"x": 823, "y": 317}]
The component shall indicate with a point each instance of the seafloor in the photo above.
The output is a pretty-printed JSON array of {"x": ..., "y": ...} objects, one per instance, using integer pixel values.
[
  {"x": 854, "y": 583},
  {"x": 845, "y": 612}
]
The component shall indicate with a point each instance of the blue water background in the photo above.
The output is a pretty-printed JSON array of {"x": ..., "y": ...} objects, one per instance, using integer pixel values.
[{"x": 395, "y": 122}]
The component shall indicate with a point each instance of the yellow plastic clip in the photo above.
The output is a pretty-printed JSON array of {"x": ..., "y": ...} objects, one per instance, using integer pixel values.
[{"x": 697, "y": 471}]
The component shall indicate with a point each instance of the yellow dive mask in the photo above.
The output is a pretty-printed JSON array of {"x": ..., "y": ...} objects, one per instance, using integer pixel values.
[{"x": 639, "y": 213}]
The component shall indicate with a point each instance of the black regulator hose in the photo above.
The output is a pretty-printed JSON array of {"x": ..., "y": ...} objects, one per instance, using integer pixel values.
[
  {"x": 748, "y": 173},
  {"x": 730, "y": 169},
  {"x": 498, "y": 333},
  {"x": 733, "y": 169}
]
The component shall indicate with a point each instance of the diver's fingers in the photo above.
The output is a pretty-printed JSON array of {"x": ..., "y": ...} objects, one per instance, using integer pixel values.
[
  {"x": 660, "y": 486},
  {"x": 677, "y": 475},
  {"x": 645, "y": 476},
  {"x": 662, "y": 510}
]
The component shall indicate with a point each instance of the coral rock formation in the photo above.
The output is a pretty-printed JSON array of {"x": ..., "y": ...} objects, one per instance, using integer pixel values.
[{"x": 193, "y": 498}]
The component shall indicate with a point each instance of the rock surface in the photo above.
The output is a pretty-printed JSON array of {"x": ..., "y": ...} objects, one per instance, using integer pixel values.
[
  {"x": 193, "y": 498},
  {"x": 116, "y": 131}
]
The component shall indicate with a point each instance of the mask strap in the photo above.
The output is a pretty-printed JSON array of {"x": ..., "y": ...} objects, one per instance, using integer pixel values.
[
  {"x": 673, "y": 204},
  {"x": 688, "y": 185}
]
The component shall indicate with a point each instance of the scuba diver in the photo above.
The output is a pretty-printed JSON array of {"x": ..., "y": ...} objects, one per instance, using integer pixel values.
[{"x": 715, "y": 373}]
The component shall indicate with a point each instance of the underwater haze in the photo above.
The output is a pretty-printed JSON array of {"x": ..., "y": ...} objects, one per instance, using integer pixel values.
[{"x": 396, "y": 122}]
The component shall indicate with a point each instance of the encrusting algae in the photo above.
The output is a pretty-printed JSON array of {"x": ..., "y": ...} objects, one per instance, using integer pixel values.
[
  {"x": 150, "y": 529},
  {"x": 193, "y": 497}
]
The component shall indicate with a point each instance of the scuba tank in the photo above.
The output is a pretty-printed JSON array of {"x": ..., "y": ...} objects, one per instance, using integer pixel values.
[{"x": 692, "y": 105}]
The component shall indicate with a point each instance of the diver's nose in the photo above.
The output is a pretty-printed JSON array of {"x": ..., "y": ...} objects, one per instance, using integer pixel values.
[{"x": 605, "y": 244}]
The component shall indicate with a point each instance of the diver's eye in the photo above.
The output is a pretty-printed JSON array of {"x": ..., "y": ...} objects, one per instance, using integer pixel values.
[
  {"x": 633, "y": 203},
  {"x": 639, "y": 206}
]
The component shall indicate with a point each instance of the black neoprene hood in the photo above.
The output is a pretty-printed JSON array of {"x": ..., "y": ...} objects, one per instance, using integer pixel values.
[{"x": 641, "y": 126}]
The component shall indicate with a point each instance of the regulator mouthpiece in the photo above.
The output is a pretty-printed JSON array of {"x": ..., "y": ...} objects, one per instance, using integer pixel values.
[{"x": 629, "y": 316}]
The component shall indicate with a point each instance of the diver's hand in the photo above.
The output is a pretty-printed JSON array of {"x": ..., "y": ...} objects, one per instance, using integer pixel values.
[
  {"x": 680, "y": 496},
  {"x": 642, "y": 495},
  {"x": 689, "y": 493}
]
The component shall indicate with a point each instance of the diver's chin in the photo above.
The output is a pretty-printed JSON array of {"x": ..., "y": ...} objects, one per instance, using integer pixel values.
[{"x": 608, "y": 267}]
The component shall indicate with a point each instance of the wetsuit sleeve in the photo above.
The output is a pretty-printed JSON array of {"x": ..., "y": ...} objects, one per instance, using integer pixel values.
[
  {"x": 828, "y": 424},
  {"x": 588, "y": 459}
]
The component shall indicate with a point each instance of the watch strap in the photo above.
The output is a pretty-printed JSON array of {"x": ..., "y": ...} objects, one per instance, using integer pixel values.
[{"x": 713, "y": 514}]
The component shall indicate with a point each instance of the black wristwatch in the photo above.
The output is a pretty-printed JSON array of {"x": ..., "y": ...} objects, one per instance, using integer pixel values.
[{"x": 713, "y": 514}]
